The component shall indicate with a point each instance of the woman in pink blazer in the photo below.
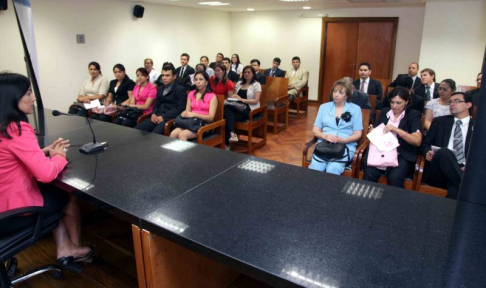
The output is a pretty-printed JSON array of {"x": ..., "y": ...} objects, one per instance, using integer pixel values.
[{"x": 23, "y": 163}]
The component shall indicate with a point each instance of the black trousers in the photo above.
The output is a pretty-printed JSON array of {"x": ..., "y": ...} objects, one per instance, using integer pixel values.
[
  {"x": 101, "y": 117},
  {"x": 125, "y": 122},
  {"x": 395, "y": 176},
  {"x": 231, "y": 116},
  {"x": 148, "y": 126},
  {"x": 444, "y": 172}
]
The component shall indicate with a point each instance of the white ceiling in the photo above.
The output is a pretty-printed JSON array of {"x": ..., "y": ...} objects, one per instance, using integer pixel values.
[{"x": 268, "y": 5}]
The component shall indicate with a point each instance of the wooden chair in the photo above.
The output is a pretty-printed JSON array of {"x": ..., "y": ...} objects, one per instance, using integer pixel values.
[
  {"x": 384, "y": 83},
  {"x": 464, "y": 88},
  {"x": 350, "y": 170},
  {"x": 143, "y": 118},
  {"x": 425, "y": 188},
  {"x": 252, "y": 133},
  {"x": 299, "y": 106},
  {"x": 277, "y": 102},
  {"x": 214, "y": 139}
]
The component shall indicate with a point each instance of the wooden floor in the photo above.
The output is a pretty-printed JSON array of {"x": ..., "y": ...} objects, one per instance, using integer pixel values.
[{"x": 113, "y": 238}]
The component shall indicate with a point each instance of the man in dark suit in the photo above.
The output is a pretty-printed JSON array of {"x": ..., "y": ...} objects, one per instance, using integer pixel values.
[
  {"x": 368, "y": 85},
  {"x": 184, "y": 70},
  {"x": 451, "y": 136},
  {"x": 475, "y": 93},
  {"x": 170, "y": 102},
  {"x": 405, "y": 81},
  {"x": 275, "y": 71},
  {"x": 429, "y": 89},
  {"x": 219, "y": 59},
  {"x": 232, "y": 75},
  {"x": 412, "y": 73},
  {"x": 255, "y": 63}
]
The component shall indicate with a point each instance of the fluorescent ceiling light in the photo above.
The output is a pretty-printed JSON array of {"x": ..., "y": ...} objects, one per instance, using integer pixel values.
[
  {"x": 250, "y": 9},
  {"x": 306, "y": 7},
  {"x": 214, "y": 3},
  {"x": 294, "y": 0}
]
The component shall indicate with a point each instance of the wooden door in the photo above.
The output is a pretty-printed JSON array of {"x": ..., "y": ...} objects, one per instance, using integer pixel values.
[
  {"x": 347, "y": 42},
  {"x": 340, "y": 54}
]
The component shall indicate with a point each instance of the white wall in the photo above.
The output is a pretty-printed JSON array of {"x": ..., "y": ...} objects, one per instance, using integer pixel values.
[
  {"x": 454, "y": 40},
  {"x": 113, "y": 36},
  {"x": 265, "y": 35}
]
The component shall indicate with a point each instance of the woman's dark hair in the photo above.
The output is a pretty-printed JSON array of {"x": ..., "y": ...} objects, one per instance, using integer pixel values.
[
  {"x": 237, "y": 60},
  {"x": 96, "y": 65},
  {"x": 143, "y": 71},
  {"x": 200, "y": 64},
  {"x": 208, "y": 87},
  {"x": 253, "y": 79},
  {"x": 12, "y": 88},
  {"x": 402, "y": 93},
  {"x": 119, "y": 67},
  {"x": 451, "y": 83},
  {"x": 216, "y": 79}
]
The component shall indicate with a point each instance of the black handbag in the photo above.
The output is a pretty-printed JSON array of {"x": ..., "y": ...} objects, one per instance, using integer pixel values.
[
  {"x": 236, "y": 105},
  {"x": 129, "y": 112},
  {"x": 192, "y": 124},
  {"x": 331, "y": 152}
]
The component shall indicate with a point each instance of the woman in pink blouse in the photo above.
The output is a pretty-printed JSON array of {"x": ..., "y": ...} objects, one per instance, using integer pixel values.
[
  {"x": 201, "y": 104},
  {"x": 143, "y": 98},
  {"x": 23, "y": 163}
]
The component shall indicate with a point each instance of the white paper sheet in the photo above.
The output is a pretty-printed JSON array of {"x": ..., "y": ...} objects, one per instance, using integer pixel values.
[
  {"x": 92, "y": 104},
  {"x": 385, "y": 142}
]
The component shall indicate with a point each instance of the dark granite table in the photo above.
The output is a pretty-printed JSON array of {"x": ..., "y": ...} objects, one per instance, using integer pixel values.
[{"x": 282, "y": 224}]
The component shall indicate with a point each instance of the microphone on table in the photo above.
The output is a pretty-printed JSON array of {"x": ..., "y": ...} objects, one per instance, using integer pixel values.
[{"x": 89, "y": 148}]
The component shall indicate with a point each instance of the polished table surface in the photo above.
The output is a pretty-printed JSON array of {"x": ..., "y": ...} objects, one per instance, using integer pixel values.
[{"x": 282, "y": 224}]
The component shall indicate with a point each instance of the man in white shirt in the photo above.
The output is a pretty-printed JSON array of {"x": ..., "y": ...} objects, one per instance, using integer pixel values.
[
  {"x": 412, "y": 73},
  {"x": 446, "y": 144},
  {"x": 429, "y": 89},
  {"x": 368, "y": 85}
]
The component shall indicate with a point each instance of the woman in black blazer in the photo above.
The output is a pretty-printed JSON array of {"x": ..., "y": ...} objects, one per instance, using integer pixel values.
[
  {"x": 119, "y": 92},
  {"x": 408, "y": 132}
]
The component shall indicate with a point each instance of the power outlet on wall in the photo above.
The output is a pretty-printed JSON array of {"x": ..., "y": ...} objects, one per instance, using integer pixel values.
[{"x": 80, "y": 38}]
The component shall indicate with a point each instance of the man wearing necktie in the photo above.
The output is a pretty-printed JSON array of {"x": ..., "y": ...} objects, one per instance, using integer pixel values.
[
  {"x": 298, "y": 78},
  {"x": 429, "y": 89},
  {"x": 275, "y": 71},
  {"x": 445, "y": 146},
  {"x": 184, "y": 70}
]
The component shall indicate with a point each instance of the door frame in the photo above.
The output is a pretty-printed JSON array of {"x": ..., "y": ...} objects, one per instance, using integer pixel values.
[{"x": 326, "y": 20}]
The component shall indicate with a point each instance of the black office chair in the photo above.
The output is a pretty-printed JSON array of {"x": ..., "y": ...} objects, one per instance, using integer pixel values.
[{"x": 34, "y": 223}]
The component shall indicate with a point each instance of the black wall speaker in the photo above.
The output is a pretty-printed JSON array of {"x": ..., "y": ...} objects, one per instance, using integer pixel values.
[
  {"x": 3, "y": 4},
  {"x": 138, "y": 11}
]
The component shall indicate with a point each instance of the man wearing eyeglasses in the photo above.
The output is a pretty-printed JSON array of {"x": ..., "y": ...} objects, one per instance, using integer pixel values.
[
  {"x": 445, "y": 146},
  {"x": 475, "y": 93}
]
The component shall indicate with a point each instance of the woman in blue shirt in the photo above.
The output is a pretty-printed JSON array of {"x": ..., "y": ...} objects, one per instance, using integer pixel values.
[{"x": 338, "y": 121}]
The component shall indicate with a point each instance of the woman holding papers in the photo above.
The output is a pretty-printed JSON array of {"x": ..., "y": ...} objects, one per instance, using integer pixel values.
[
  {"x": 94, "y": 88},
  {"x": 247, "y": 93},
  {"x": 339, "y": 122},
  {"x": 405, "y": 124}
]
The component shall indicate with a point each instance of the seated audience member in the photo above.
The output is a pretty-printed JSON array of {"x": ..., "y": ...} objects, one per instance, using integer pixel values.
[
  {"x": 95, "y": 87},
  {"x": 369, "y": 85},
  {"x": 236, "y": 65},
  {"x": 298, "y": 78},
  {"x": 199, "y": 67},
  {"x": 406, "y": 82},
  {"x": 232, "y": 75},
  {"x": 220, "y": 84},
  {"x": 429, "y": 89},
  {"x": 439, "y": 106},
  {"x": 248, "y": 91},
  {"x": 119, "y": 93},
  {"x": 405, "y": 124},
  {"x": 275, "y": 71},
  {"x": 205, "y": 60},
  {"x": 412, "y": 73},
  {"x": 143, "y": 98},
  {"x": 219, "y": 59},
  {"x": 184, "y": 70},
  {"x": 475, "y": 93},
  {"x": 201, "y": 104},
  {"x": 158, "y": 83},
  {"x": 338, "y": 121},
  {"x": 359, "y": 98},
  {"x": 153, "y": 74},
  {"x": 23, "y": 164},
  {"x": 255, "y": 63},
  {"x": 452, "y": 133},
  {"x": 170, "y": 102}
]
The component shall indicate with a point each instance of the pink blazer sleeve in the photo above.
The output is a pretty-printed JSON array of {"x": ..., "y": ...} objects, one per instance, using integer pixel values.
[{"x": 27, "y": 150}]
